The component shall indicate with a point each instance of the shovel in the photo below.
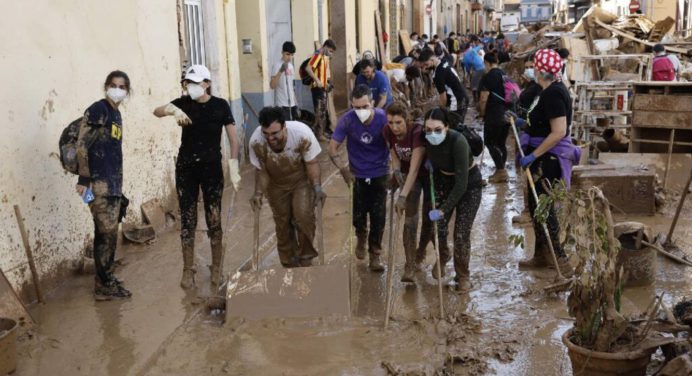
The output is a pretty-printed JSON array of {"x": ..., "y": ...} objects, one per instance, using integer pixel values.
[
  {"x": 561, "y": 283},
  {"x": 669, "y": 245},
  {"x": 391, "y": 261},
  {"x": 277, "y": 291}
]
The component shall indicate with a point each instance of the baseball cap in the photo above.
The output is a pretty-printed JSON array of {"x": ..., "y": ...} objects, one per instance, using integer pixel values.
[{"x": 197, "y": 73}]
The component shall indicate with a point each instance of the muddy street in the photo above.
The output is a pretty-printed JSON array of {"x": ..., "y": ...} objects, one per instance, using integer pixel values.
[{"x": 505, "y": 325}]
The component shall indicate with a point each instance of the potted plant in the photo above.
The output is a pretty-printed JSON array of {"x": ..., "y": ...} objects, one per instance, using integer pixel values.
[{"x": 602, "y": 341}]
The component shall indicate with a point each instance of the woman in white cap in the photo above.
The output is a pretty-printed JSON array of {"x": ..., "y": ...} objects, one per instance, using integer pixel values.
[
  {"x": 202, "y": 117},
  {"x": 549, "y": 152}
]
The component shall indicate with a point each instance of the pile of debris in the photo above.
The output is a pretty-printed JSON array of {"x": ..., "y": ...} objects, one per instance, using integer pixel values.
[{"x": 600, "y": 32}]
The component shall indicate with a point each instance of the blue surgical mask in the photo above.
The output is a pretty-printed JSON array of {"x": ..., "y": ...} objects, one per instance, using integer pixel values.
[
  {"x": 529, "y": 73},
  {"x": 436, "y": 138}
]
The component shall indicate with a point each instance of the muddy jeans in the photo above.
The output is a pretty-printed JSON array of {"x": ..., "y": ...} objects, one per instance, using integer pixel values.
[
  {"x": 369, "y": 200},
  {"x": 495, "y": 139},
  {"x": 319, "y": 102},
  {"x": 465, "y": 213},
  {"x": 294, "y": 217},
  {"x": 544, "y": 169},
  {"x": 105, "y": 211},
  {"x": 189, "y": 178},
  {"x": 411, "y": 220}
]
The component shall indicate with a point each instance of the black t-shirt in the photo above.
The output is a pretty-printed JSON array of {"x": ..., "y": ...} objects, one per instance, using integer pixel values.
[
  {"x": 201, "y": 140},
  {"x": 554, "y": 102},
  {"x": 447, "y": 81},
  {"x": 527, "y": 96},
  {"x": 493, "y": 83}
]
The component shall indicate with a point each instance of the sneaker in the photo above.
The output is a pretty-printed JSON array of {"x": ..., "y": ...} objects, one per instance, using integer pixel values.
[
  {"x": 463, "y": 285},
  {"x": 442, "y": 271},
  {"x": 112, "y": 292},
  {"x": 306, "y": 262},
  {"x": 360, "y": 248}
]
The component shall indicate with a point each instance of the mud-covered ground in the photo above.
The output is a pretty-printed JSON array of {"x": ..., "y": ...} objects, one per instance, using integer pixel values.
[{"x": 505, "y": 325}]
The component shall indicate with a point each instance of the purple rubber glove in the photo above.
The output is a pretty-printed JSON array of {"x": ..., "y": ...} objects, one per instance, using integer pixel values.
[
  {"x": 519, "y": 122},
  {"x": 527, "y": 160},
  {"x": 436, "y": 215}
]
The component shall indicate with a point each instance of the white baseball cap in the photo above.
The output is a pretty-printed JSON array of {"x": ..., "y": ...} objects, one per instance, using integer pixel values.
[{"x": 197, "y": 73}]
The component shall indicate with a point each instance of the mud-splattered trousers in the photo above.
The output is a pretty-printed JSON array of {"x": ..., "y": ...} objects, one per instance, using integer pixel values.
[
  {"x": 369, "y": 202},
  {"x": 190, "y": 176},
  {"x": 495, "y": 139},
  {"x": 294, "y": 216},
  {"x": 105, "y": 211},
  {"x": 546, "y": 169},
  {"x": 411, "y": 220},
  {"x": 465, "y": 213}
]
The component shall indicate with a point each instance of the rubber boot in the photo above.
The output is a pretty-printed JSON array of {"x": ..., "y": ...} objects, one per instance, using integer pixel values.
[
  {"x": 376, "y": 264},
  {"x": 361, "y": 245},
  {"x": 410, "y": 265},
  {"x": 188, "y": 279},
  {"x": 539, "y": 259},
  {"x": 216, "y": 267}
]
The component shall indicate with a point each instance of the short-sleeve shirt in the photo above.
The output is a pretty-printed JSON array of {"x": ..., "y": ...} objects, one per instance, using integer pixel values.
[
  {"x": 367, "y": 150},
  {"x": 287, "y": 166},
  {"x": 527, "y": 96},
  {"x": 493, "y": 83},
  {"x": 447, "y": 80},
  {"x": 201, "y": 140},
  {"x": 379, "y": 85},
  {"x": 404, "y": 147},
  {"x": 554, "y": 102},
  {"x": 284, "y": 93},
  {"x": 106, "y": 152}
]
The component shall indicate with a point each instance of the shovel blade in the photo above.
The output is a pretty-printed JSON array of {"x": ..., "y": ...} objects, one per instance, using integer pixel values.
[{"x": 297, "y": 292}]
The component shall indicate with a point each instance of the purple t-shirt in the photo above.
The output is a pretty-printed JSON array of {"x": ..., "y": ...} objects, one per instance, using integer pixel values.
[{"x": 367, "y": 149}]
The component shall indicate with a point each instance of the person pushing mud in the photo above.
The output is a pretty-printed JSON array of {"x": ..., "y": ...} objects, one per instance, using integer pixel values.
[
  {"x": 202, "y": 117},
  {"x": 284, "y": 154}
]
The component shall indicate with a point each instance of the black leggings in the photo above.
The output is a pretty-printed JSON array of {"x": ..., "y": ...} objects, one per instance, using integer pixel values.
[
  {"x": 546, "y": 169},
  {"x": 465, "y": 213},
  {"x": 369, "y": 200},
  {"x": 495, "y": 138},
  {"x": 189, "y": 178}
]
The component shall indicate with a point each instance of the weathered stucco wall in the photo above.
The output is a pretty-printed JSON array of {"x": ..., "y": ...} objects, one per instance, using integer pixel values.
[{"x": 55, "y": 58}]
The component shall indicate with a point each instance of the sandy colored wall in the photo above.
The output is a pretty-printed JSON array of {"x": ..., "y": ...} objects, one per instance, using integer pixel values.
[
  {"x": 251, "y": 24},
  {"x": 366, "y": 27},
  {"x": 54, "y": 69}
]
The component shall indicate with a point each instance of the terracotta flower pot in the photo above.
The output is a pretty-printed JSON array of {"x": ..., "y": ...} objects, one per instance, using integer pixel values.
[{"x": 586, "y": 362}]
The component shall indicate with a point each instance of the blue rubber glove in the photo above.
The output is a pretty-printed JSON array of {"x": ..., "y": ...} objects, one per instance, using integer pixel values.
[
  {"x": 519, "y": 122},
  {"x": 428, "y": 165},
  {"x": 527, "y": 160},
  {"x": 436, "y": 215}
]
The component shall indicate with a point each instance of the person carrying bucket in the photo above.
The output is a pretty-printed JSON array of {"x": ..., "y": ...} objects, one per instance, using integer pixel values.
[
  {"x": 549, "y": 152},
  {"x": 457, "y": 190},
  {"x": 284, "y": 154}
]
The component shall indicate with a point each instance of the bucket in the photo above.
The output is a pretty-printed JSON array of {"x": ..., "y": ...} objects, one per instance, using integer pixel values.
[
  {"x": 586, "y": 362},
  {"x": 639, "y": 264},
  {"x": 8, "y": 345}
]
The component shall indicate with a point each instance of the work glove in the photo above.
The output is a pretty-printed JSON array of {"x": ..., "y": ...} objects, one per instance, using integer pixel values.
[
  {"x": 320, "y": 196},
  {"x": 526, "y": 160},
  {"x": 234, "y": 173},
  {"x": 519, "y": 122},
  {"x": 436, "y": 215},
  {"x": 400, "y": 205},
  {"x": 180, "y": 117},
  {"x": 347, "y": 175},
  {"x": 256, "y": 201}
]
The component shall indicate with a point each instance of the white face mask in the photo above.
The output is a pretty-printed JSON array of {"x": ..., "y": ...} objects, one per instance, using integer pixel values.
[
  {"x": 116, "y": 94},
  {"x": 363, "y": 114},
  {"x": 195, "y": 91}
]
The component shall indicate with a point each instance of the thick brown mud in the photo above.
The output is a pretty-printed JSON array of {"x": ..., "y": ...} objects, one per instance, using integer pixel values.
[{"x": 504, "y": 325}]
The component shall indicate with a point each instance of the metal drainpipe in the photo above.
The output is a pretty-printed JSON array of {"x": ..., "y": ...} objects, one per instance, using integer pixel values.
[{"x": 320, "y": 6}]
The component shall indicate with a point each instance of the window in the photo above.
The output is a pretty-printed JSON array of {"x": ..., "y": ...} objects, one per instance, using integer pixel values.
[{"x": 194, "y": 32}]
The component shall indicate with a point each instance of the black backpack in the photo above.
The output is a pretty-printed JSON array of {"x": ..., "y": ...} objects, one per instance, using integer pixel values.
[
  {"x": 68, "y": 146},
  {"x": 474, "y": 140},
  {"x": 302, "y": 72}
]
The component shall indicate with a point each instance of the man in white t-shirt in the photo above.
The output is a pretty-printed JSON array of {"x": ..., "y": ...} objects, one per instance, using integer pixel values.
[
  {"x": 287, "y": 172},
  {"x": 283, "y": 74}
]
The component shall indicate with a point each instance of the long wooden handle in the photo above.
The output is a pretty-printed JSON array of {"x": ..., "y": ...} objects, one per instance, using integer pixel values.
[
  {"x": 29, "y": 254},
  {"x": 436, "y": 249},
  {"x": 255, "y": 251},
  {"x": 393, "y": 235},
  {"x": 669, "y": 238},
  {"x": 320, "y": 229}
]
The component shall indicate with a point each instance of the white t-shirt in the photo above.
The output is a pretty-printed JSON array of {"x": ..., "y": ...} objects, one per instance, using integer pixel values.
[
  {"x": 284, "y": 94},
  {"x": 301, "y": 145}
]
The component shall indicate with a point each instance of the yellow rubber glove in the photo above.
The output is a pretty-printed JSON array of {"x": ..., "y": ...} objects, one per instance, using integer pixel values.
[{"x": 234, "y": 173}]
